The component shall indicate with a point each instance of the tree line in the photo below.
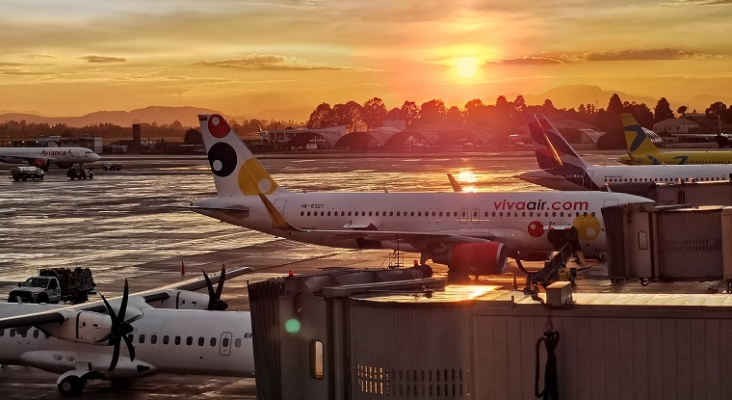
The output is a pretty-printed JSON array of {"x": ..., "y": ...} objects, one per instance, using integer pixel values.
[{"x": 503, "y": 117}]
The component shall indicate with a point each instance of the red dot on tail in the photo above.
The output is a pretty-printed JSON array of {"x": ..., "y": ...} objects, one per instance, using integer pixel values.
[
  {"x": 536, "y": 229},
  {"x": 218, "y": 127}
]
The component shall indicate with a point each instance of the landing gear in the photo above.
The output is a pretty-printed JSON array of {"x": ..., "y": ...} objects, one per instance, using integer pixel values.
[{"x": 71, "y": 385}]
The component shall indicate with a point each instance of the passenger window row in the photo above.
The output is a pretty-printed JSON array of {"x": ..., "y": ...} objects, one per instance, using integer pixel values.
[
  {"x": 613, "y": 180},
  {"x": 177, "y": 340},
  {"x": 35, "y": 333},
  {"x": 463, "y": 214}
]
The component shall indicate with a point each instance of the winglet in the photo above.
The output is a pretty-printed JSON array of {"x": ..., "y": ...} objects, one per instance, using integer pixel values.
[
  {"x": 278, "y": 221},
  {"x": 454, "y": 183}
]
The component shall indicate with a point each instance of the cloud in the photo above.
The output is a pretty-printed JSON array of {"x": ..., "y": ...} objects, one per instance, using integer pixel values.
[
  {"x": 700, "y": 2},
  {"x": 270, "y": 62},
  {"x": 102, "y": 59},
  {"x": 636, "y": 55},
  {"x": 528, "y": 61},
  {"x": 10, "y": 64}
]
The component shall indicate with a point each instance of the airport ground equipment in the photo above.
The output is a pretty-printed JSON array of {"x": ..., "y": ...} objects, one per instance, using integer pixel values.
[
  {"x": 53, "y": 285},
  {"x": 669, "y": 243},
  {"x": 349, "y": 336},
  {"x": 80, "y": 173},
  {"x": 689, "y": 193},
  {"x": 111, "y": 167},
  {"x": 23, "y": 173}
]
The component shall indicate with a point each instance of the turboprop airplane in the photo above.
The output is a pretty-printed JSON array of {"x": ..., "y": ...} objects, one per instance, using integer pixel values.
[
  {"x": 472, "y": 233},
  {"x": 642, "y": 151},
  {"x": 43, "y": 157},
  {"x": 563, "y": 169},
  {"x": 171, "y": 329}
]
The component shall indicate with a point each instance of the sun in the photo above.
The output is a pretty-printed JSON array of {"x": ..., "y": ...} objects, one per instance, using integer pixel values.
[{"x": 466, "y": 67}]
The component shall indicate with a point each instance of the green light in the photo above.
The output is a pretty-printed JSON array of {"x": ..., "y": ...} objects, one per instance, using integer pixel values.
[{"x": 292, "y": 325}]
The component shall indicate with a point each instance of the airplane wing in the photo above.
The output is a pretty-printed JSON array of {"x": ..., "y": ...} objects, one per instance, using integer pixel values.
[{"x": 57, "y": 314}]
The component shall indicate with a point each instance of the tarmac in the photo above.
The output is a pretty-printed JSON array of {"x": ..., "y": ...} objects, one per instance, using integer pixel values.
[{"x": 132, "y": 224}]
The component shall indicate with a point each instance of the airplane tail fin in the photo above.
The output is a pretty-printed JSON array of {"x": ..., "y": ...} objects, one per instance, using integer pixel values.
[
  {"x": 553, "y": 150},
  {"x": 236, "y": 171},
  {"x": 636, "y": 137}
]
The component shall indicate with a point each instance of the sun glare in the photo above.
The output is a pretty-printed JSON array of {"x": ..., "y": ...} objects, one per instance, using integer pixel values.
[{"x": 466, "y": 67}]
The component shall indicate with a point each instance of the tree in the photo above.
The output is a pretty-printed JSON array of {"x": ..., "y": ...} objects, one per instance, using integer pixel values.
[
  {"x": 548, "y": 107},
  {"x": 432, "y": 111},
  {"x": 662, "y": 111},
  {"x": 454, "y": 115},
  {"x": 349, "y": 114},
  {"x": 321, "y": 117},
  {"x": 410, "y": 112},
  {"x": 609, "y": 121},
  {"x": 374, "y": 112},
  {"x": 519, "y": 106},
  {"x": 193, "y": 136}
]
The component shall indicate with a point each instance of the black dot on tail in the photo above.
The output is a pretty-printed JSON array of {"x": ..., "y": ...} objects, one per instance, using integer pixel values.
[{"x": 226, "y": 157}]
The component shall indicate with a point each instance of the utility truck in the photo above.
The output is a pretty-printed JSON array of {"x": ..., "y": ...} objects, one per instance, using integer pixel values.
[{"x": 53, "y": 285}]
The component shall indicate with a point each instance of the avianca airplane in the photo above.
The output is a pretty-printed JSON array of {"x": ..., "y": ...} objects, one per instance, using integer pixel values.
[
  {"x": 167, "y": 330},
  {"x": 563, "y": 169},
  {"x": 43, "y": 157},
  {"x": 642, "y": 151},
  {"x": 470, "y": 232}
]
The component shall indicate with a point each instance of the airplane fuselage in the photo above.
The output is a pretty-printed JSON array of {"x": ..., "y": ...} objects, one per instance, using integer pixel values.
[
  {"x": 520, "y": 220},
  {"x": 679, "y": 157},
  {"x": 569, "y": 177},
  {"x": 192, "y": 342},
  {"x": 56, "y": 155}
]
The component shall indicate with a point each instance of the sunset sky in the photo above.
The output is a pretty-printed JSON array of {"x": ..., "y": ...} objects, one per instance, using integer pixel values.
[{"x": 280, "y": 59}]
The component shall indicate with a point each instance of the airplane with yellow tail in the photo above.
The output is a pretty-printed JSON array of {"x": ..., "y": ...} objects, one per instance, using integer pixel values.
[{"x": 641, "y": 151}]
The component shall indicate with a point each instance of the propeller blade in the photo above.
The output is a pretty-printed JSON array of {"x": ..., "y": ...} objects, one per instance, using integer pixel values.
[
  {"x": 123, "y": 305},
  {"x": 133, "y": 319},
  {"x": 209, "y": 286},
  {"x": 110, "y": 310},
  {"x": 115, "y": 356},
  {"x": 220, "y": 287},
  {"x": 130, "y": 347}
]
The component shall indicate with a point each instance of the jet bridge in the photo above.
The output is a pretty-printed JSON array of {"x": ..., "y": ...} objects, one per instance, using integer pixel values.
[
  {"x": 365, "y": 336},
  {"x": 669, "y": 243}
]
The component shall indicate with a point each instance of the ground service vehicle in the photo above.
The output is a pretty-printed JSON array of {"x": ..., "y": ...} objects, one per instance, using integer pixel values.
[
  {"x": 111, "y": 167},
  {"x": 53, "y": 285},
  {"x": 80, "y": 173},
  {"x": 26, "y": 172}
]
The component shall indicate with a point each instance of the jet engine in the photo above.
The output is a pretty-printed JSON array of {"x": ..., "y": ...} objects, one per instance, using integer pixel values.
[
  {"x": 42, "y": 163},
  {"x": 487, "y": 258}
]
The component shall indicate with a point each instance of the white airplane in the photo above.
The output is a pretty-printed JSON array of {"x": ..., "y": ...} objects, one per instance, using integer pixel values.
[
  {"x": 563, "y": 169},
  {"x": 167, "y": 330},
  {"x": 43, "y": 157},
  {"x": 472, "y": 233}
]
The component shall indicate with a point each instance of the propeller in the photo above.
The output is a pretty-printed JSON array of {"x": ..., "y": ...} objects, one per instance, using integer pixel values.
[
  {"x": 214, "y": 297},
  {"x": 121, "y": 328}
]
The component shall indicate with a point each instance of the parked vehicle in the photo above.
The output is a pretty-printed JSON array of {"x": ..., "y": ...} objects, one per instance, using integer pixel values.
[
  {"x": 111, "y": 167},
  {"x": 24, "y": 173},
  {"x": 55, "y": 284},
  {"x": 80, "y": 173}
]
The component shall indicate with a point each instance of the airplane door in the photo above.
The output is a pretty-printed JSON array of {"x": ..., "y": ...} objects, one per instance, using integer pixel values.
[
  {"x": 475, "y": 215},
  {"x": 280, "y": 205},
  {"x": 464, "y": 215},
  {"x": 225, "y": 344}
]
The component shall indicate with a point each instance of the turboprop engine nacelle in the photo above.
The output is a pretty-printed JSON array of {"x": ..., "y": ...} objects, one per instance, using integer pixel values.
[
  {"x": 83, "y": 327},
  {"x": 185, "y": 299}
]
